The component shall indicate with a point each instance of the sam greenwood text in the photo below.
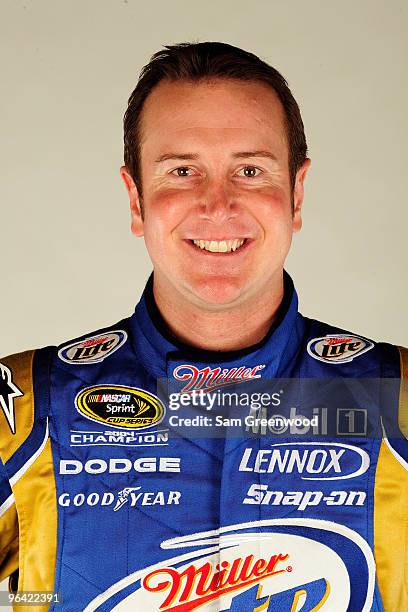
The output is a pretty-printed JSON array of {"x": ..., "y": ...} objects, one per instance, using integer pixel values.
[{"x": 250, "y": 421}]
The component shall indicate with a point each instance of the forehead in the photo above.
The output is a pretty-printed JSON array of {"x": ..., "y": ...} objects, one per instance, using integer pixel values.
[{"x": 216, "y": 110}]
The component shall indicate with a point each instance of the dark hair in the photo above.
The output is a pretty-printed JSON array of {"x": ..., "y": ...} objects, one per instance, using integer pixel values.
[{"x": 208, "y": 60}]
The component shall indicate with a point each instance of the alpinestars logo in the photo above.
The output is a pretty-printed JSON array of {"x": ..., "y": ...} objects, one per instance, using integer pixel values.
[
  {"x": 8, "y": 391},
  {"x": 209, "y": 379}
]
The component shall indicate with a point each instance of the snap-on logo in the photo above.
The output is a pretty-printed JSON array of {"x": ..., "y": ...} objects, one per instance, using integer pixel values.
[
  {"x": 124, "y": 407},
  {"x": 93, "y": 349},
  {"x": 338, "y": 348}
]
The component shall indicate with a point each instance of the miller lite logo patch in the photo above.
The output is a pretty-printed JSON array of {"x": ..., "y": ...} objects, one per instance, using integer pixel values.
[
  {"x": 338, "y": 348},
  {"x": 93, "y": 349},
  {"x": 263, "y": 565}
]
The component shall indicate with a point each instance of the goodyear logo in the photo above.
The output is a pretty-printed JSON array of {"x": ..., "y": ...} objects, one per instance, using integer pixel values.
[{"x": 124, "y": 407}]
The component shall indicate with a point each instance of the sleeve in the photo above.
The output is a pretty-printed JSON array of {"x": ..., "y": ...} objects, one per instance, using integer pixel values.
[
  {"x": 15, "y": 381},
  {"x": 391, "y": 494},
  {"x": 28, "y": 521},
  {"x": 8, "y": 527}
]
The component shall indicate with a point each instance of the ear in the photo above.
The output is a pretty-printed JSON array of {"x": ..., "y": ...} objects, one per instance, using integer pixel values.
[
  {"x": 135, "y": 203},
  {"x": 298, "y": 194}
]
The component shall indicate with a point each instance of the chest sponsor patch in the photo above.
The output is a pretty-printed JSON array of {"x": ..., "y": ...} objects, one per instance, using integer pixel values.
[
  {"x": 208, "y": 379},
  {"x": 285, "y": 564},
  {"x": 338, "y": 348},
  {"x": 133, "y": 496},
  {"x": 123, "y": 407},
  {"x": 307, "y": 460},
  {"x": 93, "y": 349}
]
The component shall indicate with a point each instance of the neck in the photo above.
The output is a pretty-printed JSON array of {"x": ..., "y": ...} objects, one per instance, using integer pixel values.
[{"x": 229, "y": 329}]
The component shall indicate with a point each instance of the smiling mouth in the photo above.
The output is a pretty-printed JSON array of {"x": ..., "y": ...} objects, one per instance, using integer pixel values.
[{"x": 220, "y": 246}]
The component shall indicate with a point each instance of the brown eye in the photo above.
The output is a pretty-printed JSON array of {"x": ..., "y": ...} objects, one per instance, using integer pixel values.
[
  {"x": 250, "y": 171},
  {"x": 182, "y": 171}
]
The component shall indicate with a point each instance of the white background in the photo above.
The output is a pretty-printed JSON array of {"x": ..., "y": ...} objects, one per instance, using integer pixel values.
[{"x": 69, "y": 262}]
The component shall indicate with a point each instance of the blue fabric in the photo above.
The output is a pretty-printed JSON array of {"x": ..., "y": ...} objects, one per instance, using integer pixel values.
[{"x": 320, "y": 522}]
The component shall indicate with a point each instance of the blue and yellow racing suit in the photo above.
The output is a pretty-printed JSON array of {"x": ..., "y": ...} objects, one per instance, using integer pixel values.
[{"x": 129, "y": 482}]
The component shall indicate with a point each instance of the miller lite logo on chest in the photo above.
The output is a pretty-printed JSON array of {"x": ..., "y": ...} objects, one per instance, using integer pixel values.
[
  {"x": 93, "y": 349},
  {"x": 338, "y": 348}
]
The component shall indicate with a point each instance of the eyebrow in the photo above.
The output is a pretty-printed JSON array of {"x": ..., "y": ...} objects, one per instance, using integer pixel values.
[
  {"x": 239, "y": 155},
  {"x": 184, "y": 156},
  {"x": 255, "y": 154}
]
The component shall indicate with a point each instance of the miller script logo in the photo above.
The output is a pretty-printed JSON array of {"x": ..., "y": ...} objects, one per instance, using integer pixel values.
[
  {"x": 209, "y": 379},
  {"x": 338, "y": 348}
]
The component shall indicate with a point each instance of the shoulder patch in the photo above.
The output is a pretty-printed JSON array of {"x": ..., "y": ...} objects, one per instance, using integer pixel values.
[
  {"x": 338, "y": 348},
  {"x": 8, "y": 391},
  {"x": 16, "y": 402},
  {"x": 93, "y": 349}
]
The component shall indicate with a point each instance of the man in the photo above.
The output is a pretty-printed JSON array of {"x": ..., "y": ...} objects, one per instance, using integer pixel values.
[{"x": 127, "y": 482}]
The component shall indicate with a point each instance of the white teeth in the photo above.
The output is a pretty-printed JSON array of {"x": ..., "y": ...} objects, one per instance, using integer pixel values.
[{"x": 219, "y": 246}]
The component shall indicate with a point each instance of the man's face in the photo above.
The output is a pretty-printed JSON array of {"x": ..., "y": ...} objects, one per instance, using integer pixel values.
[{"x": 217, "y": 196}]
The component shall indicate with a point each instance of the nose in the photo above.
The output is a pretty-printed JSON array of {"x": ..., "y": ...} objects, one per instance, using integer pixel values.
[{"x": 218, "y": 202}]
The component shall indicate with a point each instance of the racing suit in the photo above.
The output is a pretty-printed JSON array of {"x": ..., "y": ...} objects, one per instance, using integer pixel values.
[{"x": 116, "y": 494}]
